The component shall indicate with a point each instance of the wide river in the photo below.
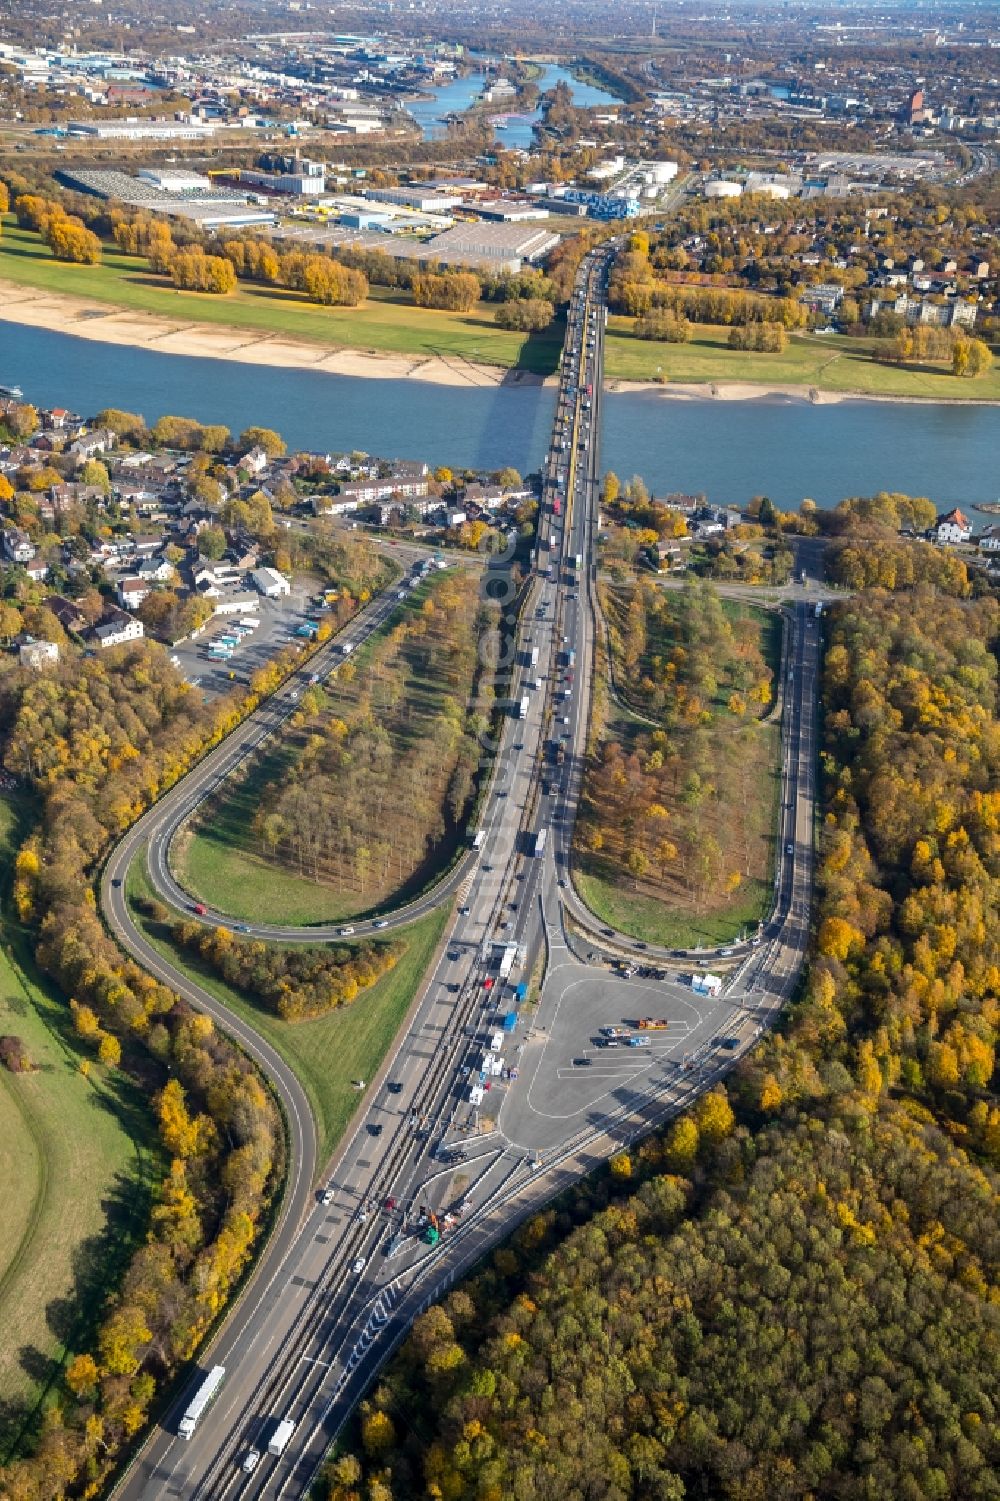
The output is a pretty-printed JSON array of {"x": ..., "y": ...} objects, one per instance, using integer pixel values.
[{"x": 786, "y": 449}]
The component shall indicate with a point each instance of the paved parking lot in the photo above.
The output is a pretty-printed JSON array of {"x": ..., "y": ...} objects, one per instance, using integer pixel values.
[
  {"x": 567, "y": 1076},
  {"x": 278, "y": 619}
]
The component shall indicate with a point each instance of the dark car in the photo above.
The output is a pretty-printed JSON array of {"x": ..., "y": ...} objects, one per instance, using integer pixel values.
[
  {"x": 116, "y": 884},
  {"x": 582, "y": 1062},
  {"x": 395, "y": 1087},
  {"x": 375, "y": 1128}
]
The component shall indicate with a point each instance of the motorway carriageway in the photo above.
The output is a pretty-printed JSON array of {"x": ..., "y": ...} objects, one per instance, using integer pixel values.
[{"x": 338, "y": 1284}]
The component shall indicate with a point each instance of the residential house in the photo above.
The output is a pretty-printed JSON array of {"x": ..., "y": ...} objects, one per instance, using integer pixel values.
[
  {"x": 824, "y": 297},
  {"x": 952, "y": 528},
  {"x": 64, "y": 496},
  {"x": 144, "y": 544},
  {"x": 132, "y": 591},
  {"x": 115, "y": 628},
  {"x": 156, "y": 570},
  {"x": 67, "y": 612},
  {"x": 92, "y": 445},
  {"x": 254, "y": 461},
  {"x": 669, "y": 557},
  {"x": 407, "y": 483},
  {"x": 487, "y": 497},
  {"x": 38, "y": 654},
  {"x": 57, "y": 418},
  {"x": 37, "y": 570},
  {"x": 17, "y": 545},
  {"x": 989, "y": 541}
]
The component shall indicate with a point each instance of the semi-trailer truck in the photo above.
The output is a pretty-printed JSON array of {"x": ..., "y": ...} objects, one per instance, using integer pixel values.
[
  {"x": 534, "y": 656},
  {"x": 540, "y": 841},
  {"x": 201, "y": 1400}
]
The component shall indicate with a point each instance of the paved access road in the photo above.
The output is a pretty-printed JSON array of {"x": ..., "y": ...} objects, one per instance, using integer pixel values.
[{"x": 491, "y": 1102}]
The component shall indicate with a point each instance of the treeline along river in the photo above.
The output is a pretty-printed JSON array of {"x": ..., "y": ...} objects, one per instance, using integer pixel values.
[{"x": 784, "y": 448}]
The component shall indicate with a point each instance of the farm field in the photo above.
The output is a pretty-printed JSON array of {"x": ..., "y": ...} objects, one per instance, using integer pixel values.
[
  {"x": 387, "y": 323},
  {"x": 76, "y": 1163},
  {"x": 330, "y": 1051}
]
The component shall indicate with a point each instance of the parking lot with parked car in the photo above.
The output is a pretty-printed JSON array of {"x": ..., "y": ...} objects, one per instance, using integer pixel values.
[{"x": 279, "y": 620}]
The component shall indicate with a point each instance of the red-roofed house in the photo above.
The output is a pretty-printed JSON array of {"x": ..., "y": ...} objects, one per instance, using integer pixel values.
[{"x": 952, "y": 528}]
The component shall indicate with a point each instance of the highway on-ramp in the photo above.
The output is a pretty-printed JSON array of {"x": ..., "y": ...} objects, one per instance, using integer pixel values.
[{"x": 502, "y": 1088}]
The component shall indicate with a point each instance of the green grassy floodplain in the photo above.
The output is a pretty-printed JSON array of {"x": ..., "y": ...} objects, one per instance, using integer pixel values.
[
  {"x": 77, "y": 1160},
  {"x": 388, "y": 323},
  {"x": 832, "y": 363},
  {"x": 327, "y": 1053}
]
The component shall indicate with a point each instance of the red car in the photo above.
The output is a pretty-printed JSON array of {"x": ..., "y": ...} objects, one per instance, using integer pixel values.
[
  {"x": 200, "y": 908},
  {"x": 488, "y": 983}
]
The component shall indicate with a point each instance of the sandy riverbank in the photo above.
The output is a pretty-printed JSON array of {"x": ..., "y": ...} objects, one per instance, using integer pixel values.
[
  {"x": 85, "y": 319},
  {"x": 810, "y": 395},
  {"x": 82, "y": 317}
]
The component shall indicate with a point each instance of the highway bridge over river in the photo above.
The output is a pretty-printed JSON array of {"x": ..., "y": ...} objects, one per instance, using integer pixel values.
[{"x": 488, "y": 1104}]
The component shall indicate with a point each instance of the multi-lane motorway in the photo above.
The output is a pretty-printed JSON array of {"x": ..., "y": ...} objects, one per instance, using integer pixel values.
[{"x": 471, "y": 1124}]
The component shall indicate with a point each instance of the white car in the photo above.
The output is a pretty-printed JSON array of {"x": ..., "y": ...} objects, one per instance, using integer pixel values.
[
  {"x": 327, "y": 1197},
  {"x": 383, "y": 922},
  {"x": 251, "y": 1461},
  {"x": 346, "y": 932},
  {"x": 358, "y": 1266}
]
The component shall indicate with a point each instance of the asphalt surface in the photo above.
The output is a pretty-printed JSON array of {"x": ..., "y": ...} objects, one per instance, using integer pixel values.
[{"x": 467, "y": 1121}]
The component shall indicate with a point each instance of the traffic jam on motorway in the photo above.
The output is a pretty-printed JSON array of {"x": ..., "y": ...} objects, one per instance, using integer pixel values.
[{"x": 403, "y": 1195}]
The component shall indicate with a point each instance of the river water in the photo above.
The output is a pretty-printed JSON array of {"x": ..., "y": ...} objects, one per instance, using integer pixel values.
[
  {"x": 783, "y": 448},
  {"x": 452, "y": 98}
]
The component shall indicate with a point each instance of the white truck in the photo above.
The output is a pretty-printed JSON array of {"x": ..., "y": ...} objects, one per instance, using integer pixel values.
[
  {"x": 479, "y": 839},
  {"x": 522, "y": 711},
  {"x": 706, "y": 984},
  {"x": 534, "y": 656},
  {"x": 201, "y": 1400},
  {"x": 279, "y": 1439}
]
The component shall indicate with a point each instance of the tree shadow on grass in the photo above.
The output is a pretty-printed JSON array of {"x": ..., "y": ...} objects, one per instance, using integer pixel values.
[{"x": 98, "y": 1263}]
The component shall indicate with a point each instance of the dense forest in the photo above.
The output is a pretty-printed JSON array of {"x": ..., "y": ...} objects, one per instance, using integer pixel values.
[
  {"x": 97, "y": 739},
  {"x": 792, "y": 1293},
  {"x": 384, "y": 763},
  {"x": 670, "y": 797}
]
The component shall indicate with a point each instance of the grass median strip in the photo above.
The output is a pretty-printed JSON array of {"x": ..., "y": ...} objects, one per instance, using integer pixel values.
[{"x": 329, "y": 1052}]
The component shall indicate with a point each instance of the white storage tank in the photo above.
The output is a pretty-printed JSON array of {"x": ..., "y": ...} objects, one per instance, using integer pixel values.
[{"x": 663, "y": 171}]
